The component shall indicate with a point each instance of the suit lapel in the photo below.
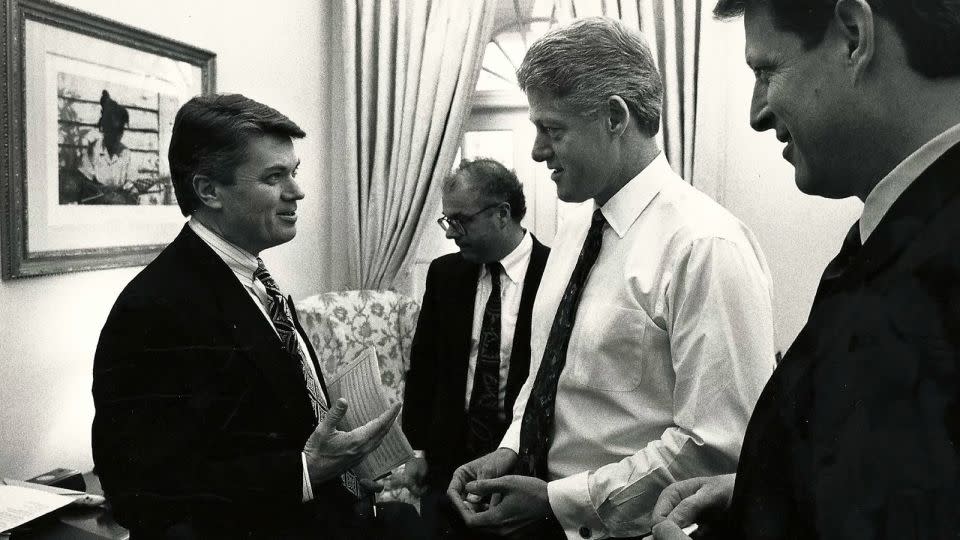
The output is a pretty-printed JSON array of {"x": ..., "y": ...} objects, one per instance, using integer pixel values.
[
  {"x": 905, "y": 225},
  {"x": 520, "y": 352},
  {"x": 311, "y": 353},
  {"x": 910, "y": 214},
  {"x": 250, "y": 329},
  {"x": 461, "y": 291}
]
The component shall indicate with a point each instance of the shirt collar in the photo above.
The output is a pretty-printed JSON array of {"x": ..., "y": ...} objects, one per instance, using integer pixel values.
[
  {"x": 888, "y": 190},
  {"x": 513, "y": 263},
  {"x": 242, "y": 263},
  {"x": 626, "y": 205}
]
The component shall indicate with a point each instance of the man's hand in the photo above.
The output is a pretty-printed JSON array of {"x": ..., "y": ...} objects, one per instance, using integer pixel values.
[
  {"x": 415, "y": 475},
  {"x": 330, "y": 452},
  {"x": 515, "y": 503},
  {"x": 695, "y": 500},
  {"x": 668, "y": 530},
  {"x": 493, "y": 465}
]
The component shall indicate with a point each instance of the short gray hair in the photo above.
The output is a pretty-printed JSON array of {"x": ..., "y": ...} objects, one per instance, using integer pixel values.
[
  {"x": 589, "y": 60},
  {"x": 493, "y": 181}
]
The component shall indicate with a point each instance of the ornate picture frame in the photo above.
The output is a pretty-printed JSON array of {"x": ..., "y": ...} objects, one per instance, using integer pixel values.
[{"x": 86, "y": 109}]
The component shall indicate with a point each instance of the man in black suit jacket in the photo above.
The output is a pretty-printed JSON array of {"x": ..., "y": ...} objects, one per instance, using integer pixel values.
[
  {"x": 212, "y": 418},
  {"x": 857, "y": 433},
  {"x": 483, "y": 204}
]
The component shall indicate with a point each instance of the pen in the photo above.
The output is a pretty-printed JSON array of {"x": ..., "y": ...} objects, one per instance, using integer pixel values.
[{"x": 688, "y": 530}]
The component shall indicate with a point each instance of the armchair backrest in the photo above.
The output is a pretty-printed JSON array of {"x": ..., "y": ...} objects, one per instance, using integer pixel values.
[{"x": 341, "y": 324}]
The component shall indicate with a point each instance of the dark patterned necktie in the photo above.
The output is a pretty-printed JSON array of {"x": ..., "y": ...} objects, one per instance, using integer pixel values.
[
  {"x": 536, "y": 429},
  {"x": 282, "y": 318},
  {"x": 484, "y": 427},
  {"x": 840, "y": 264}
]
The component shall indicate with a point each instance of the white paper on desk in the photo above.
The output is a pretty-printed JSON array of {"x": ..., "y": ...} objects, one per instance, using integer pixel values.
[
  {"x": 19, "y": 505},
  {"x": 42, "y": 487},
  {"x": 359, "y": 383}
]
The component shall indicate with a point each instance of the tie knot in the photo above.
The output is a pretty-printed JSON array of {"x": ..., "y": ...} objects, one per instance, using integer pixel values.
[
  {"x": 263, "y": 275},
  {"x": 495, "y": 268},
  {"x": 598, "y": 221},
  {"x": 595, "y": 234}
]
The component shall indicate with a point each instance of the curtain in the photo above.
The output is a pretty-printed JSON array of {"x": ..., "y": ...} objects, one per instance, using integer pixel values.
[
  {"x": 672, "y": 28},
  {"x": 402, "y": 84}
]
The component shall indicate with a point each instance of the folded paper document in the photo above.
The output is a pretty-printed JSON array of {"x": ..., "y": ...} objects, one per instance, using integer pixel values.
[
  {"x": 19, "y": 504},
  {"x": 359, "y": 383}
]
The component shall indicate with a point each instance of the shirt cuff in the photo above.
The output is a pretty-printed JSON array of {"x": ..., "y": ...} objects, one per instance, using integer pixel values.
[
  {"x": 571, "y": 504},
  {"x": 307, "y": 488},
  {"x": 511, "y": 439}
]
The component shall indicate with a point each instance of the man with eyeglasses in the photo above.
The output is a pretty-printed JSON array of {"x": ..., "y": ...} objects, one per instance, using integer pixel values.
[{"x": 471, "y": 351}]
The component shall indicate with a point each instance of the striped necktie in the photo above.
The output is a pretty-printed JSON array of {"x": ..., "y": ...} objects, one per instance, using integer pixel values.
[{"x": 282, "y": 318}]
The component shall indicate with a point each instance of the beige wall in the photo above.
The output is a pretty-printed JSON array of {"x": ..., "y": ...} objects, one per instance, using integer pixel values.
[{"x": 49, "y": 325}]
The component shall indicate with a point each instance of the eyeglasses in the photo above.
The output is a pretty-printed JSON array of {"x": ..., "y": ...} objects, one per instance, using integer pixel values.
[{"x": 458, "y": 224}]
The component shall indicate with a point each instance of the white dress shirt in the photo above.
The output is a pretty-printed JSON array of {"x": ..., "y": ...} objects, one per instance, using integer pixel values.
[
  {"x": 672, "y": 345},
  {"x": 243, "y": 265},
  {"x": 888, "y": 190},
  {"x": 511, "y": 289}
]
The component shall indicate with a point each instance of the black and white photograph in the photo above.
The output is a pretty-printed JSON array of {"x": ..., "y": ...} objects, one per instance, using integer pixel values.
[
  {"x": 480, "y": 269},
  {"x": 110, "y": 144}
]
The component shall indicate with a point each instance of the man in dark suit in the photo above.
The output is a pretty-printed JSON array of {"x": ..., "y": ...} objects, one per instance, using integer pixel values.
[
  {"x": 858, "y": 431},
  {"x": 212, "y": 418},
  {"x": 471, "y": 351}
]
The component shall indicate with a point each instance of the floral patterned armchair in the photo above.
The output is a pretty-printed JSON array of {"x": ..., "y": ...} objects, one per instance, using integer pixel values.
[{"x": 341, "y": 324}]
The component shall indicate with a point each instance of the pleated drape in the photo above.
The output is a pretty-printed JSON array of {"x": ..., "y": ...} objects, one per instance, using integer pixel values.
[{"x": 407, "y": 74}]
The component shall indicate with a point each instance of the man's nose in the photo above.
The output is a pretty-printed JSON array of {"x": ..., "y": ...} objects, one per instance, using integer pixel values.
[
  {"x": 541, "y": 148},
  {"x": 293, "y": 191},
  {"x": 761, "y": 118}
]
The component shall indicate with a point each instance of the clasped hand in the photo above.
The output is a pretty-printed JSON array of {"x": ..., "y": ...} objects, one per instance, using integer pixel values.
[
  {"x": 696, "y": 500},
  {"x": 331, "y": 452},
  {"x": 492, "y": 501},
  {"x": 415, "y": 476}
]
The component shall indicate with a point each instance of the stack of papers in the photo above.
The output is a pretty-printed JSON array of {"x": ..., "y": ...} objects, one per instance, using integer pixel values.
[
  {"x": 21, "y": 502},
  {"x": 359, "y": 383},
  {"x": 19, "y": 505}
]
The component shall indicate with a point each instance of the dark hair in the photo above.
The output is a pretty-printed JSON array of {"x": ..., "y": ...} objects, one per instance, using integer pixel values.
[
  {"x": 210, "y": 135},
  {"x": 493, "y": 181},
  {"x": 589, "y": 60},
  {"x": 930, "y": 29},
  {"x": 113, "y": 110}
]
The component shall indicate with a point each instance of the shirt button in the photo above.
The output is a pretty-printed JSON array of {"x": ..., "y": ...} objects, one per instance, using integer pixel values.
[{"x": 585, "y": 532}]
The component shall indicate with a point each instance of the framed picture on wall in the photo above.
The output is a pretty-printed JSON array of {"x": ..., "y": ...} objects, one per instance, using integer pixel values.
[{"x": 87, "y": 108}]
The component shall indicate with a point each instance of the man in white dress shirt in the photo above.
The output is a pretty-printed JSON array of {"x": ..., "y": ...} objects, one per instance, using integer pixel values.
[{"x": 652, "y": 333}]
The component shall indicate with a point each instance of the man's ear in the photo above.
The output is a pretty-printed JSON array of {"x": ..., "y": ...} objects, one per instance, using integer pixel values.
[
  {"x": 855, "y": 21},
  {"x": 618, "y": 115},
  {"x": 207, "y": 191}
]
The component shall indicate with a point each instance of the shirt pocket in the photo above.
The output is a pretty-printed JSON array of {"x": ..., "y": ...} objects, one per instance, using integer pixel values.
[{"x": 605, "y": 352}]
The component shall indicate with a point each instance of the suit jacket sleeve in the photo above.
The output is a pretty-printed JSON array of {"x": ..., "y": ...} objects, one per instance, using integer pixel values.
[
  {"x": 165, "y": 439},
  {"x": 421, "y": 379}
]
